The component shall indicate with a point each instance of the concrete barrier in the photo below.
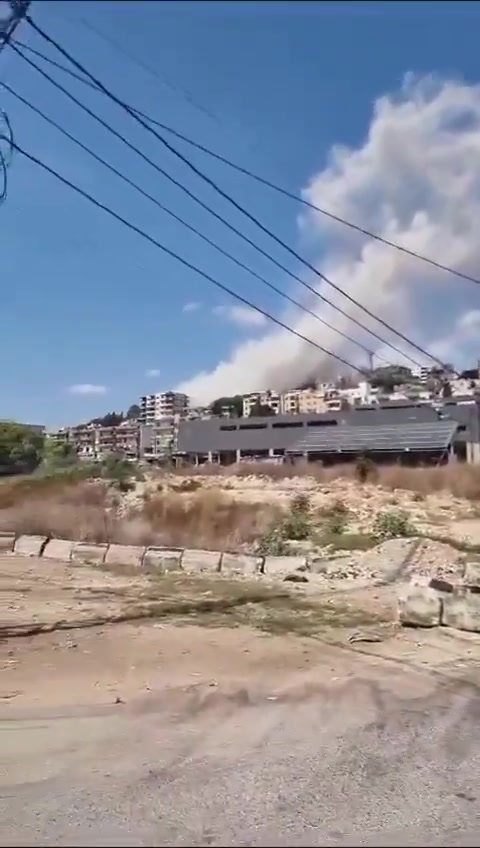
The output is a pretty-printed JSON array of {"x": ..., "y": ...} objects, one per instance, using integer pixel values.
[
  {"x": 89, "y": 552},
  {"x": 420, "y": 606},
  {"x": 30, "y": 545},
  {"x": 163, "y": 559},
  {"x": 7, "y": 542},
  {"x": 198, "y": 561},
  {"x": 58, "y": 549},
  {"x": 240, "y": 564},
  {"x": 125, "y": 555},
  {"x": 472, "y": 573},
  {"x": 461, "y": 610},
  {"x": 277, "y": 565}
]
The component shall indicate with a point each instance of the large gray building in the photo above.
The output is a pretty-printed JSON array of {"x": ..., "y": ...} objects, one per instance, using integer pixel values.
[{"x": 396, "y": 431}]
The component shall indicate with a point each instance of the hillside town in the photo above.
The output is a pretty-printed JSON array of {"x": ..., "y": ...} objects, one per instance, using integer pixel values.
[{"x": 165, "y": 426}]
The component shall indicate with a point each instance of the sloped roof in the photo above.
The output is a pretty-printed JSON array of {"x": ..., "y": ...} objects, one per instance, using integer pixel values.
[{"x": 424, "y": 436}]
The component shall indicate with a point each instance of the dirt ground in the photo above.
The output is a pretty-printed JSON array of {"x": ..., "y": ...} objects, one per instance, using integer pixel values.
[{"x": 177, "y": 636}]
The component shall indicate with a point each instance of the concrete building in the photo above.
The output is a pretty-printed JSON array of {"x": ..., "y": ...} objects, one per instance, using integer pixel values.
[
  {"x": 229, "y": 441},
  {"x": 162, "y": 405},
  {"x": 265, "y": 398}
]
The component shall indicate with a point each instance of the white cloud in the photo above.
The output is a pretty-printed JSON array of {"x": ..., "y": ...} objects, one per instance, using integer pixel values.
[
  {"x": 191, "y": 306},
  {"x": 415, "y": 180},
  {"x": 244, "y": 316},
  {"x": 87, "y": 389},
  {"x": 152, "y": 372}
]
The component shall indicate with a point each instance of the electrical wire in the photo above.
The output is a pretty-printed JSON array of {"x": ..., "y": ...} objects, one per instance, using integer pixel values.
[
  {"x": 204, "y": 206},
  {"x": 139, "y": 231},
  {"x": 257, "y": 177},
  {"x": 180, "y": 220},
  {"x": 224, "y": 194}
]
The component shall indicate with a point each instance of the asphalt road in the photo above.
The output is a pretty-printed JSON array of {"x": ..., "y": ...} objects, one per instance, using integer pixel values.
[{"x": 353, "y": 764}]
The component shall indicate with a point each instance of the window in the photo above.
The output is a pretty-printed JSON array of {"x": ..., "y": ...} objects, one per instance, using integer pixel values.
[
  {"x": 283, "y": 425},
  {"x": 332, "y": 422},
  {"x": 252, "y": 427},
  {"x": 228, "y": 427}
]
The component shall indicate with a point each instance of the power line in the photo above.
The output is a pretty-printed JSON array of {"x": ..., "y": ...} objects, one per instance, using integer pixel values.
[
  {"x": 176, "y": 217},
  {"x": 262, "y": 180},
  {"x": 181, "y": 259},
  {"x": 148, "y": 68},
  {"x": 207, "y": 208},
  {"x": 224, "y": 194}
]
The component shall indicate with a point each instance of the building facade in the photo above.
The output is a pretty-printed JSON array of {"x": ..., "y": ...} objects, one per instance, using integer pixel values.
[
  {"x": 163, "y": 405},
  {"x": 266, "y": 398}
]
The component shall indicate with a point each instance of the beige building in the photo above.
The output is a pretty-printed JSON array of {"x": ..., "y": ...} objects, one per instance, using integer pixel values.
[
  {"x": 266, "y": 398},
  {"x": 163, "y": 405},
  {"x": 309, "y": 401}
]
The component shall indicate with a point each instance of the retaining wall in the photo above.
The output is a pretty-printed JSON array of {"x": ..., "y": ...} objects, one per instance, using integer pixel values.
[{"x": 189, "y": 560}]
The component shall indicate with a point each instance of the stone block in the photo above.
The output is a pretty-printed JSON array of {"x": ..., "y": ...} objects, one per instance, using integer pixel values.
[
  {"x": 281, "y": 565},
  {"x": 240, "y": 564},
  {"x": 420, "y": 606},
  {"x": 462, "y": 611},
  {"x": 125, "y": 555},
  {"x": 163, "y": 559},
  {"x": 30, "y": 545},
  {"x": 7, "y": 541},
  {"x": 472, "y": 573},
  {"x": 58, "y": 549},
  {"x": 195, "y": 561},
  {"x": 89, "y": 552}
]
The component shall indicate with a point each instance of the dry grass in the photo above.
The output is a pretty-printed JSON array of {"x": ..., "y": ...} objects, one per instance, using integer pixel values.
[
  {"x": 460, "y": 479},
  {"x": 85, "y": 511}
]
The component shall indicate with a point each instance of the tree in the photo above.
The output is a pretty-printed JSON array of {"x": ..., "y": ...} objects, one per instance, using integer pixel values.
[
  {"x": 133, "y": 411},
  {"x": 234, "y": 403},
  {"x": 261, "y": 410},
  {"x": 21, "y": 448},
  {"x": 57, "y": 455},
  {"x": 446, "y": 390},
  {"x": 111, "y": 419}
]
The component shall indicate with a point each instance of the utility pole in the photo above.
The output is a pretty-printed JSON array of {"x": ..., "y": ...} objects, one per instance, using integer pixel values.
[
  {"x": 370, "y": 360},
  {"x": 8, "y": 25}
]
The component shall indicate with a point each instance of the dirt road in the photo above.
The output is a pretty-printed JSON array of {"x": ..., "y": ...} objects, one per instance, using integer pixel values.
[{"x": 156, "y": 733}]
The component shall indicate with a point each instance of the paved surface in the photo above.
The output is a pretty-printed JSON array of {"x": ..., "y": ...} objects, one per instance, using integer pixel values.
[{"x": 379, "y": 755}]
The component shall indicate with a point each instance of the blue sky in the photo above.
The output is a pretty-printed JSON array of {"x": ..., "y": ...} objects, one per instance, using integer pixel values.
[{"x": 271, "y": 85}]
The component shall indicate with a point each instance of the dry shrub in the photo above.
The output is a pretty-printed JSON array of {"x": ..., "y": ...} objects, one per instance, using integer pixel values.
[
  {"x": 205, "y": 519},
  {"x": 461, "y": 479},
  {"x": 83, "y": 511}
]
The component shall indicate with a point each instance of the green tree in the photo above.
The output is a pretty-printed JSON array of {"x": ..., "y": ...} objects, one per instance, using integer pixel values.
[
  {"x": 57, "y": 455},
  {"x": 133, "y": 411},
  {"x": 234, "y": 403},
  {"x": 21, "y": 448},
  {"x": 261, "y": 410},
  {"x": 111, "y": 419}
]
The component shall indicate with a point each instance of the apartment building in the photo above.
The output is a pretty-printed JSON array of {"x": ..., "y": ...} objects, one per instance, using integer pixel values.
[
  {"x": 307, "y": 401},
  {"x": 163, "y": 405},
  {"x": 265, "y": 398}
]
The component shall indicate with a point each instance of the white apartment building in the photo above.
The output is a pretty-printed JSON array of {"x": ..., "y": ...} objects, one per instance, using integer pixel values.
[
  {"x": 163, "y": 405},
  {"x": 266, "y": 398}
]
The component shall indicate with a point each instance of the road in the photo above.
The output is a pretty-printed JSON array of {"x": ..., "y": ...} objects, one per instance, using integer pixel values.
[{"x": 351, "y": 750}]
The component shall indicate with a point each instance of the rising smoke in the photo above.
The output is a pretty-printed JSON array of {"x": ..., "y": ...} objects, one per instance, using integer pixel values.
[{"x": 415, "y": 181}]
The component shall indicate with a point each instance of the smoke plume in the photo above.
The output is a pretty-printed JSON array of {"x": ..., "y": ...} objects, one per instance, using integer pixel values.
[{"x": 415, "y": 180}]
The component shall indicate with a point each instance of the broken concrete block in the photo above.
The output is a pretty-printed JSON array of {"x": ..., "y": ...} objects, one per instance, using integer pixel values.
[
  {"x": 281, "y": 565},
  {"x": 30, "y": 545},
  {"x": 7, "y": 541},
  {"x": 89, "y": 552},
  {"x": 420, "y": 606},
  {"x": 197, "y": 561},
  {"x": 58, "y": 549},
  {"x": 125, "y": 555},
  {"x": 472, "y": 573},
  {"x": 461, "y": 610},
  {"x": 163, "y": 559},
  {"x": 240, "y": 564}
]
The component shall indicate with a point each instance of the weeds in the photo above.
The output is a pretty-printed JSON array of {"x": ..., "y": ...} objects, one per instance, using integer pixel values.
[
  {"x": 297, "y": 524},
  {"x": 391, "y": 525}
]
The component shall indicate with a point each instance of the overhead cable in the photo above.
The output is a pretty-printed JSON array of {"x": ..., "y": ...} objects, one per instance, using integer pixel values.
[
  {"x": 139, "y": 231},
  {"x": 224, "y": 194}
]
